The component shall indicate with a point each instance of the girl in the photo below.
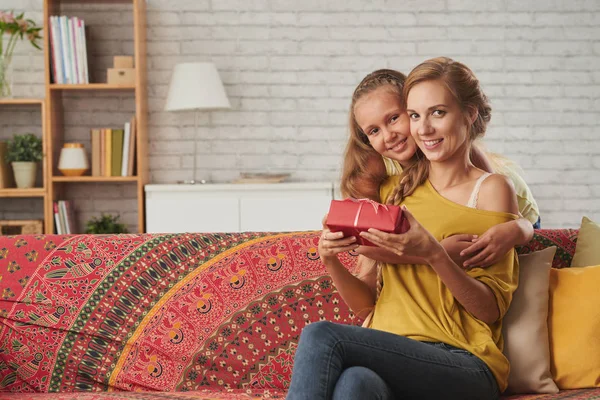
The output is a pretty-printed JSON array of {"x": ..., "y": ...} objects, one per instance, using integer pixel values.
[{"x": 436, "y": 328}]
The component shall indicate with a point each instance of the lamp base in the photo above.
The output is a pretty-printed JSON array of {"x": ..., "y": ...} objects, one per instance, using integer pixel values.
[{"x": 192, "y": 182}]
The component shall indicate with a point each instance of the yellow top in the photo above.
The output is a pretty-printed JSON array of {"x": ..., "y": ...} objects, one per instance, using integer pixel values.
[
  {"x": 527, "y": 204},
  {"x": 415, "y": 303}
]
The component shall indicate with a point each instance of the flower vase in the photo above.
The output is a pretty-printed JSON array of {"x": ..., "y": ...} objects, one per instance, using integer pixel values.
[{"x": 5, "y": 77}]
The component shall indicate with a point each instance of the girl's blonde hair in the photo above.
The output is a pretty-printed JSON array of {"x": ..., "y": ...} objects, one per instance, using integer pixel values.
[
  {"x": 464, "y": 87},
  {"x": 360, "y": 177}
]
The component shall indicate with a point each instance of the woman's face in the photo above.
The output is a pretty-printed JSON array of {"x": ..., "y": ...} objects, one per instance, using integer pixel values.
[
  {"x": 382, "y": 118},
  {"x": 437, "y": 123}
]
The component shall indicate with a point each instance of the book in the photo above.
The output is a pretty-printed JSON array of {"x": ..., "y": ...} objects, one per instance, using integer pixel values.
[
  {"x": 125, "y": 154},
  {"x": 132, "y": 141},
  {"x": 96, "y": 152},
  {"x": 57, "y": 224},
  {"x": 107, "y": 151},
  {"x": 116, "y": 159}
]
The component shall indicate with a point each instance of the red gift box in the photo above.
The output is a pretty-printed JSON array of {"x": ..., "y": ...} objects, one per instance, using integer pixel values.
[{"x": 353, "y": 216}]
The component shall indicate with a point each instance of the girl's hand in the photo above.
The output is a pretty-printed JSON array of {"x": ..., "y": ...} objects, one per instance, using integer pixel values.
[
  {"x": 455, "y": 244},
  {"x": 416, "y": 242},
  {"x": 332, "y": 243},
  {"x": 490, "y": 247}
]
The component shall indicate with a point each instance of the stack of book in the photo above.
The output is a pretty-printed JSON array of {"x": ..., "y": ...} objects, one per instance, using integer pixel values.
[
  {"x": 64, "y": 221},
  {"x": 69, "y": 50},
  {"x": 113, "y": 150}
]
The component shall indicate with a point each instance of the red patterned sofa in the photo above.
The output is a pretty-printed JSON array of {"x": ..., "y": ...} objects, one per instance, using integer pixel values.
[{"x": 194, "y": 315}]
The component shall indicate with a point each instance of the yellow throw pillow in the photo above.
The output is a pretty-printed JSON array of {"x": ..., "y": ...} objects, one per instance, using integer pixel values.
[
  {"x": 587, "y": 251},
  {"x": 525, "y": 326},
  {"x": 574, "y": 327}
]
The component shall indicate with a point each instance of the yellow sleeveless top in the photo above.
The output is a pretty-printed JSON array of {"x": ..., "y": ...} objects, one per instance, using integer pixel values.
[
  {"x": 415, "y": 303},
  {"x": 527, "y": 205}
]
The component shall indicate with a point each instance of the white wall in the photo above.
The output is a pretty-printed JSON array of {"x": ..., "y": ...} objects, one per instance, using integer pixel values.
[{"x": 290, "y": 66}]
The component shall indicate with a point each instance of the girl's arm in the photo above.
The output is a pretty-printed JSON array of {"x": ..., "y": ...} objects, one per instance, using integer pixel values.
[{"x": 490, "y": 247}]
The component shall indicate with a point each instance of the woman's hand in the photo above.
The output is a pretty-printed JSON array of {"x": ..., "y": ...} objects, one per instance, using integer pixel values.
[
  {"x": 416, "y": 242},
  {"x": 455, "y": 244},
  {"x": 490, "y": 247},
  {"x": 332, "y": 243}
]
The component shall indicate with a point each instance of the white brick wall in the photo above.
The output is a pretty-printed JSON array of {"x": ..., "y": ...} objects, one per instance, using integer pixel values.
[{"x": 290, "y": 66}]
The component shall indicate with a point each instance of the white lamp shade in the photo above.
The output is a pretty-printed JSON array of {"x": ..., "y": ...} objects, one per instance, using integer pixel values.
[{"x": 196, "y": 86}]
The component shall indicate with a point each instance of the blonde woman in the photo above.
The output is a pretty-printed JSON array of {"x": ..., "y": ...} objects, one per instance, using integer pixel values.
[{"x": 436, "y": 327}]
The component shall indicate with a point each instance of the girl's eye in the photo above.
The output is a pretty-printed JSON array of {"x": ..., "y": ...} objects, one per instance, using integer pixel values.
[
  {"x": 373, "y": 131},
  {"x": 394, "y": 118},
  {"x": 439, "y": 113}
]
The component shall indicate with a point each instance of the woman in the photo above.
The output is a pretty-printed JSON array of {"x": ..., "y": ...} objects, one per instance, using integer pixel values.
[{"x": 436, "y": 328}]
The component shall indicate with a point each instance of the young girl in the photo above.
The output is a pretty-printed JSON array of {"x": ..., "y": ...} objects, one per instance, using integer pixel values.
[
  {"x": 388, "y": 140},
  {"x": 436, "y": 328}
]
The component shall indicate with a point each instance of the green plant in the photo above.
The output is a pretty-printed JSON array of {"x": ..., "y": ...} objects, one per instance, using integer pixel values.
[
  {"x": 24, "y": 147},
  {"x": 106, "y": 223}
]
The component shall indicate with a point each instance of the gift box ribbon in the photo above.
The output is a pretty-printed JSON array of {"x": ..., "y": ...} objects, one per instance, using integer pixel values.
[{"x": 362, "y": 202}]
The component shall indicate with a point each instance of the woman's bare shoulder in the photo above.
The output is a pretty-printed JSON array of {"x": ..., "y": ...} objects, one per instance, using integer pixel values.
[{"x": 497, "y": 193}]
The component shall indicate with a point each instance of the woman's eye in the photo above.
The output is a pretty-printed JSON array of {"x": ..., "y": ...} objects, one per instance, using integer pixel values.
[
  {"x": 413, "y": 116},
  {"x": 439, "y": 113}
]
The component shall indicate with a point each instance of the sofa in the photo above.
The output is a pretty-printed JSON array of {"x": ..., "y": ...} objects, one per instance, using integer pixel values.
[{"x": 178, "y": 316}]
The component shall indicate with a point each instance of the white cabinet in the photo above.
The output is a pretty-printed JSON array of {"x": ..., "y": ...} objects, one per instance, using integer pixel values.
[{"x": 273, "y": 207}]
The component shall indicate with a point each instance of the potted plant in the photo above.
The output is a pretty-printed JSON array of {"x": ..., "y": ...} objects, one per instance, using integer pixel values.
[
  {"x": 24, "y": 152},
  {"x": 106, "y": 223}
]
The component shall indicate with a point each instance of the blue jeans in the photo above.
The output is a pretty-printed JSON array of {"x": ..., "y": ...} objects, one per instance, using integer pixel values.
[
  {"x": 347, "y": 362},
  {"x": 538, "y": 224}
]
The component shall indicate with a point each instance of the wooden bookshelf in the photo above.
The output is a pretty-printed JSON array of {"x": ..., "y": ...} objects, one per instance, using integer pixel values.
[
  {"x": 36, "y": 192},
  {"x": 94, "y": 179},
  {"x": 16, "y": 192},
  {"x": 57, "y": 184},
  {"x": 21, "y": 102},
  {"x": 91, "y": 86}
]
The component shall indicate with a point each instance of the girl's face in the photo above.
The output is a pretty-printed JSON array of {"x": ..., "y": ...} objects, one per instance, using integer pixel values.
[
  {"x": 437, "y": 123},
  {"x": 382, "y": 118}
]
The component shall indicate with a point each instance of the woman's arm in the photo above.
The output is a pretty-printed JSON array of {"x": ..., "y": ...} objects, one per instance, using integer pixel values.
[
  {"x": 357, "y": 292},
  {"x": 454, "y": 245},
  {"x": 496, "y": 194},
  {"x": 475, "y": 296},
  {"x": 379, "y": 254}
]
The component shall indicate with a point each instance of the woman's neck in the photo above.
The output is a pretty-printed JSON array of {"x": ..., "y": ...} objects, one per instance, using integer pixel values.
[{"x": 452, "y": 171}]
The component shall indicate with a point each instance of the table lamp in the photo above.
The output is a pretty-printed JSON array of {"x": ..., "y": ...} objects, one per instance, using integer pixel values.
[{"x": 196, "y": 86}]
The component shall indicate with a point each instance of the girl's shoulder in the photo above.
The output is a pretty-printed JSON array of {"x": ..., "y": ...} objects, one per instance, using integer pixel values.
[{"x": 497, "y": 193}]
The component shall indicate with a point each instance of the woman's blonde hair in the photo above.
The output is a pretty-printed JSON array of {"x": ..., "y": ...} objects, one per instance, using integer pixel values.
[
  {"x": 464, "y": 87},
  {"x": 363, "y": 169}
]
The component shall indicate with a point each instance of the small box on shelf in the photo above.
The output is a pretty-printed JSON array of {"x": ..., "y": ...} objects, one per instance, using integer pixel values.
[
  {"x": 21, "y": 227},
  {"x": 122, "y": 72}
]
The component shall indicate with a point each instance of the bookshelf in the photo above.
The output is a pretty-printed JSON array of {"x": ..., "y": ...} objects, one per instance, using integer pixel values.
[
  {"x": 57, "y": 185},
  {"x": 7, "y": 104}
]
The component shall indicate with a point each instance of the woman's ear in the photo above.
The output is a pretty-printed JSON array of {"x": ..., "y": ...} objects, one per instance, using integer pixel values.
[{"x": 472, "y": 114}]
